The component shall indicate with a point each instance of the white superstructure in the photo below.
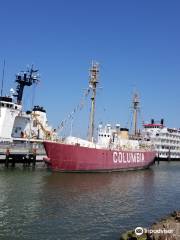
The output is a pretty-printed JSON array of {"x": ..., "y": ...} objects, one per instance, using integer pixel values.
[
  {"x": 119, "y": 138},
  {"x": 165, "y": 140},
  {"x": 32, "y": 124},
  {"x": 112, "y": 138},
  {"x": 8, "y": 113},
  {"x": 16, "y": 124}
]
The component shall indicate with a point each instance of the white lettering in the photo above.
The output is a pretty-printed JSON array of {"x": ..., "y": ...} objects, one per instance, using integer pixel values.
[
  {"x": 128, "y": 157},
  {"x": 120, "y": 157},
  {"x": 124, "y": 158},
  {"x": 115, "y": 157}
]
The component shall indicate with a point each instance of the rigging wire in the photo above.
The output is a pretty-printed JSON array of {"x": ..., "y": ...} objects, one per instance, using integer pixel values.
[
  {"x": 78, "y": 108},
  {"x": 2, "y": 83},
  {"x": 3, "y": 73}
]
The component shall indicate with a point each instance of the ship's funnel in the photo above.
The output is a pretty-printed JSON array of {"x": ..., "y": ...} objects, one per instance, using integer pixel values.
[{"x": 124, "y": 133}]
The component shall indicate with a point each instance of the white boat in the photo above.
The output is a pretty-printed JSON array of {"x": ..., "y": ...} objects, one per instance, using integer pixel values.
[
  {"x": 165, "y": 140},
  {"x": 22, "y": 131}
]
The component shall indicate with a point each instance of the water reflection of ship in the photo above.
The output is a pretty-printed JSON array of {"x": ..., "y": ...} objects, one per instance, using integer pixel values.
[
  {"x": 105, "y": 184},
  {"x": 77, "y": 182},
  {"x": 20, "y": 131},
  {"x": 92, "y": 200}
]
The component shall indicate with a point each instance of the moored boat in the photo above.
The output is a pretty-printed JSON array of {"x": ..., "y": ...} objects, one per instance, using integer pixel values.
[
  {"x": 22, "y": 132},
  {"x": 115, "y": 149},
  {"x": 66, "y": 157},
  {"x": 166, "y": 140}
]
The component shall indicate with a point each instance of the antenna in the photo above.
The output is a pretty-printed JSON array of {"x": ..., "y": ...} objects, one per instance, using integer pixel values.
[
  {"x": 2, "y": 82},
  {"x": 25, "y": 79}
]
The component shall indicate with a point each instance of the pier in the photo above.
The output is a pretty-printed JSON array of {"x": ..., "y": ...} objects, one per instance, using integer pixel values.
[{"x": 10, "y": 155}]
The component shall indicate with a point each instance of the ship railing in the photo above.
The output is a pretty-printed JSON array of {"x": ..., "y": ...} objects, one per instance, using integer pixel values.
[
  {"x": 135, "y": 137},
  {"x": 147, "y": 145}
]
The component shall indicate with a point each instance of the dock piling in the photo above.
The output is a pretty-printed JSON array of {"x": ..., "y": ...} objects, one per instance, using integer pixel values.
[
  {"x": 34, "y": 157},
  {"x": 7, "y": 158}
]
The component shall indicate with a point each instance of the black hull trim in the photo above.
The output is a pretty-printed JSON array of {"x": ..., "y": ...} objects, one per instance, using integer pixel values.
[{"x": 157, "y": 159}]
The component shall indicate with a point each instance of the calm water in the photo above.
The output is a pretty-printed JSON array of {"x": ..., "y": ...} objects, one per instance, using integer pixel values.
[{"x": 43, "y": 205}]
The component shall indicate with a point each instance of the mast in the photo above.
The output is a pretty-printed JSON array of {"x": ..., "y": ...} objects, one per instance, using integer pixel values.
[
  {"x": 93, "y": 81},
  {"x": 25, "y": 79},
  {"x": 135, "y": 112}
]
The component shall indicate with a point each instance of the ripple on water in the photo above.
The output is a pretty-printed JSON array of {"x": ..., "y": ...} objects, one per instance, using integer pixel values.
[{"x": 43, "y": 205}]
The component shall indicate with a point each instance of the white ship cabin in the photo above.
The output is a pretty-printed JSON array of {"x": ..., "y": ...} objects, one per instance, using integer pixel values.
[
  {"x": 115, "y": 138},
  {"x": 39, "y": 125},
  {"x": 108, "y": 138},
  {"x": 165, "y": 140},
  {"x": 32, "y": 124},
  {"x": 80, "y": 142},
  {"x": 18, "y": 125},
  {"x": 8, "y": 113}
]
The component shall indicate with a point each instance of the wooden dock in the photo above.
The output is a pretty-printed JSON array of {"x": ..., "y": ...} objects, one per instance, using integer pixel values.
[{"x": 22, "y": 154}]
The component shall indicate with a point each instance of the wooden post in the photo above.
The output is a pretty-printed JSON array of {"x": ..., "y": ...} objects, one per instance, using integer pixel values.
[
  {"x": 7, "y": 158},
  {"x": 34, "y": 157},
  {"x": 29, "y": 159},
  {"x": 13, "y": 162}
]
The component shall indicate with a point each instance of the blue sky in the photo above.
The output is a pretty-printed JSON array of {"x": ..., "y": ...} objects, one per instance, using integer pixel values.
[{"x": 136, "y": 42}]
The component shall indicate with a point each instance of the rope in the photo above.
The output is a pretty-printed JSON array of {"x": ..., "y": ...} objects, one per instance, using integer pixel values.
[{"x": 78, "y": 108}]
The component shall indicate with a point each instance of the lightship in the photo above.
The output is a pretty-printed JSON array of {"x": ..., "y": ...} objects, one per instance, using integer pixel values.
[{"x": 114, "y": 150}]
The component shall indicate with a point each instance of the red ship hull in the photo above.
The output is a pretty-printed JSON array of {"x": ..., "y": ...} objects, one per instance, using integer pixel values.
[{"x": 70, "y": 158}]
